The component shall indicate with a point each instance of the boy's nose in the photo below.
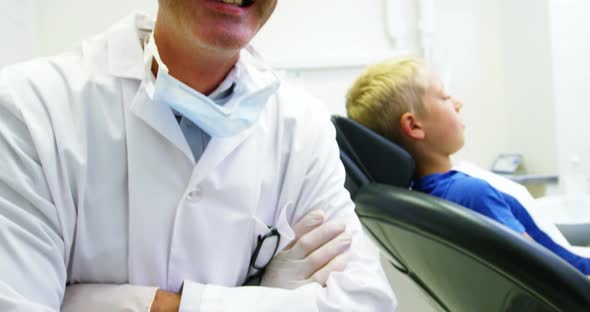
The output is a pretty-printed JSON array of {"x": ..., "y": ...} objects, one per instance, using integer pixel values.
[{"x": 458, "y": 105}]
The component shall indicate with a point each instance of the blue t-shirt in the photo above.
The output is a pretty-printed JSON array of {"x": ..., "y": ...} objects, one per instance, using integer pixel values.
[{"x": 480, "y": 196}]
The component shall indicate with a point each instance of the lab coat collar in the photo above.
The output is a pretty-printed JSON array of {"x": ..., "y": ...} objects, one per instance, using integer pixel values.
[
  {"x": 161, "y": 118},
  {"x": 126, "y": 57},
  {"x": 124, "y": 45}
]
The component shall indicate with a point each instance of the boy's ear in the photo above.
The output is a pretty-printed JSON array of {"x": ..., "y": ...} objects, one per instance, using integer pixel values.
[{"x": 412, "y": 127}]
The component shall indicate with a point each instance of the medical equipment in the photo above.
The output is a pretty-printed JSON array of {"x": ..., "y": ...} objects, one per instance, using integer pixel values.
[{"x": 507, "y": 163}]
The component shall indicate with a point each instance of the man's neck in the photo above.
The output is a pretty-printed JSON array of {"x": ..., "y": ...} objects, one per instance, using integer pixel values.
[{"x": 200, "y": 68}]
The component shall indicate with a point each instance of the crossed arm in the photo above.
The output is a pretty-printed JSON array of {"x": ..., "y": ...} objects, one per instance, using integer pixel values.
[
  {"x": 316, "y": 252},
  {"x": 34, "y": 246}
]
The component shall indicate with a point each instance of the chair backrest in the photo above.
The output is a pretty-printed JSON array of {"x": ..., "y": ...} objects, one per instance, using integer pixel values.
[
  {"x": 464, "y": 261},
  {"x": 380, "y": 160}
]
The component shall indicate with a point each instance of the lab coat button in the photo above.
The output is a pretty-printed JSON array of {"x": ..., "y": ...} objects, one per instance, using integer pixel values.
[{"x": 194, "y": 194}]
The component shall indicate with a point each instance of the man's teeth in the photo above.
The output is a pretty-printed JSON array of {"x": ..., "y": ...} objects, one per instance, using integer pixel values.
[{"x": 234, "y": 2}]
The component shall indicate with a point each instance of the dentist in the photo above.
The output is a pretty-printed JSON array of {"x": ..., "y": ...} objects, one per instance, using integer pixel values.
[{"x": 161, "y": 170}]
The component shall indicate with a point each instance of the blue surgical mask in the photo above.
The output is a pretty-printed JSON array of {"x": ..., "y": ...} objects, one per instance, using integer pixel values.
[{"x": 253, "y": 90}]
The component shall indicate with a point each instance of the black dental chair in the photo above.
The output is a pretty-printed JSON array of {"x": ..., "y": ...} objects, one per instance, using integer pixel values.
[{"x": 462, "y": 260}]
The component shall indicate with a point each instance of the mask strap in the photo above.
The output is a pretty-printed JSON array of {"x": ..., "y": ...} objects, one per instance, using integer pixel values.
[{"x": 151, "y": 53}]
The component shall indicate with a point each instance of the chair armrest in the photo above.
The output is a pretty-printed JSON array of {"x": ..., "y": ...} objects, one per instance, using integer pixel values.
[{"x": 576, "y": 234}]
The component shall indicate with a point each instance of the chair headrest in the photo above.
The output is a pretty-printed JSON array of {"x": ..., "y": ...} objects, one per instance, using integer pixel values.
[{"x": 381, "y": 160}]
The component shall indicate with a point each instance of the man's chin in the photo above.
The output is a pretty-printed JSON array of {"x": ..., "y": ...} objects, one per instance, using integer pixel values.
[
  {"x": 225, "y": 42},
  {"x": 223, "y": 49}
]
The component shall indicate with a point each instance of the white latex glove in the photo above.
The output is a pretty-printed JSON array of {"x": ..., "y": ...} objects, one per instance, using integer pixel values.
[{"x": 316, "y": 251}]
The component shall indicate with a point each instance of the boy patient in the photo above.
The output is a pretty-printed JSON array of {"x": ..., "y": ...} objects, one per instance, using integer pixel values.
[{"x": 404, "y": 101}]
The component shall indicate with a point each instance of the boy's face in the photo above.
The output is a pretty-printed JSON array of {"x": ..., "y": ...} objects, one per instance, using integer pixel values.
[{"x": 441, "y": 122}]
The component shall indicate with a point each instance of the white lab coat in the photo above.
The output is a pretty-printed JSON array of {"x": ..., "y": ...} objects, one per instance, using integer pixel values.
[{"x": 98, "y": 185}]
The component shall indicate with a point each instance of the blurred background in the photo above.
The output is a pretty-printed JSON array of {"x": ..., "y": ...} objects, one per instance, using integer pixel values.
[{"x": 520, "y": 67}]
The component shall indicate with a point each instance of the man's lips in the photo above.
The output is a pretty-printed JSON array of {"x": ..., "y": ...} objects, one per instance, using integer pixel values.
[
  {"x": 239, "y": 3},
  {"x": 230, "y": 7}
]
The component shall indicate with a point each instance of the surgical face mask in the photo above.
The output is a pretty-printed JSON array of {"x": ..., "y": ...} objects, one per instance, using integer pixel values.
[{"x": 248, "y": 100}]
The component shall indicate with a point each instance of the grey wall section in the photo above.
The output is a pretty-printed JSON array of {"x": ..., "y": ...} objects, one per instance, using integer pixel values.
[
  {"x": 528, "y": 83},
  {"x": 469, "y": 42},
  {"x": 316, "y": 34},
  {"x": 66, "y": 22},
  {"x": 571, "y": 69},
  {"x": 19, "y": 30}
]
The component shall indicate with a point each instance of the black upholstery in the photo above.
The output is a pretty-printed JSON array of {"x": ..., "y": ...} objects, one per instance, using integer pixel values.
[
  {"x": 389, "y": 163},
  {"x": 464, "y": 261}
]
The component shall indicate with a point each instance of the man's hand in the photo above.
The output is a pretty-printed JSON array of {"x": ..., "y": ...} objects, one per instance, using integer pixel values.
[
  {"x": 315, "y": 252},
  {"x": 165, "y": 301}
]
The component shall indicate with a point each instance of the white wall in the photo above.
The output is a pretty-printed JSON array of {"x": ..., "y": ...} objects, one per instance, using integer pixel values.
[
  {"x": 503, "y": 79},
  {"x": 329, "y": 33},
  {"x": 528, "y": 84},
  {"x": 66, "y": 22},
  {"x": 496, "y": 50},
  {"x": 468, "y": 45},
  {"x": 324, "y": 45},
  {"x": 19, "y": 30},
  {"x": 571, "y": 76},
  {"x": 499, "y": 54}
]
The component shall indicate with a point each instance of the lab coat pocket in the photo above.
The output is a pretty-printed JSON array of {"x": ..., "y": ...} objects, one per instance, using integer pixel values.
[
  {"x": 265, "y": 243},
  {"x": 271, "y": 237}
]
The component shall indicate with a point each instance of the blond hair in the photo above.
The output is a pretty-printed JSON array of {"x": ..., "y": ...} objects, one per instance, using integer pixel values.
[{"x": 384, "y": 92}]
